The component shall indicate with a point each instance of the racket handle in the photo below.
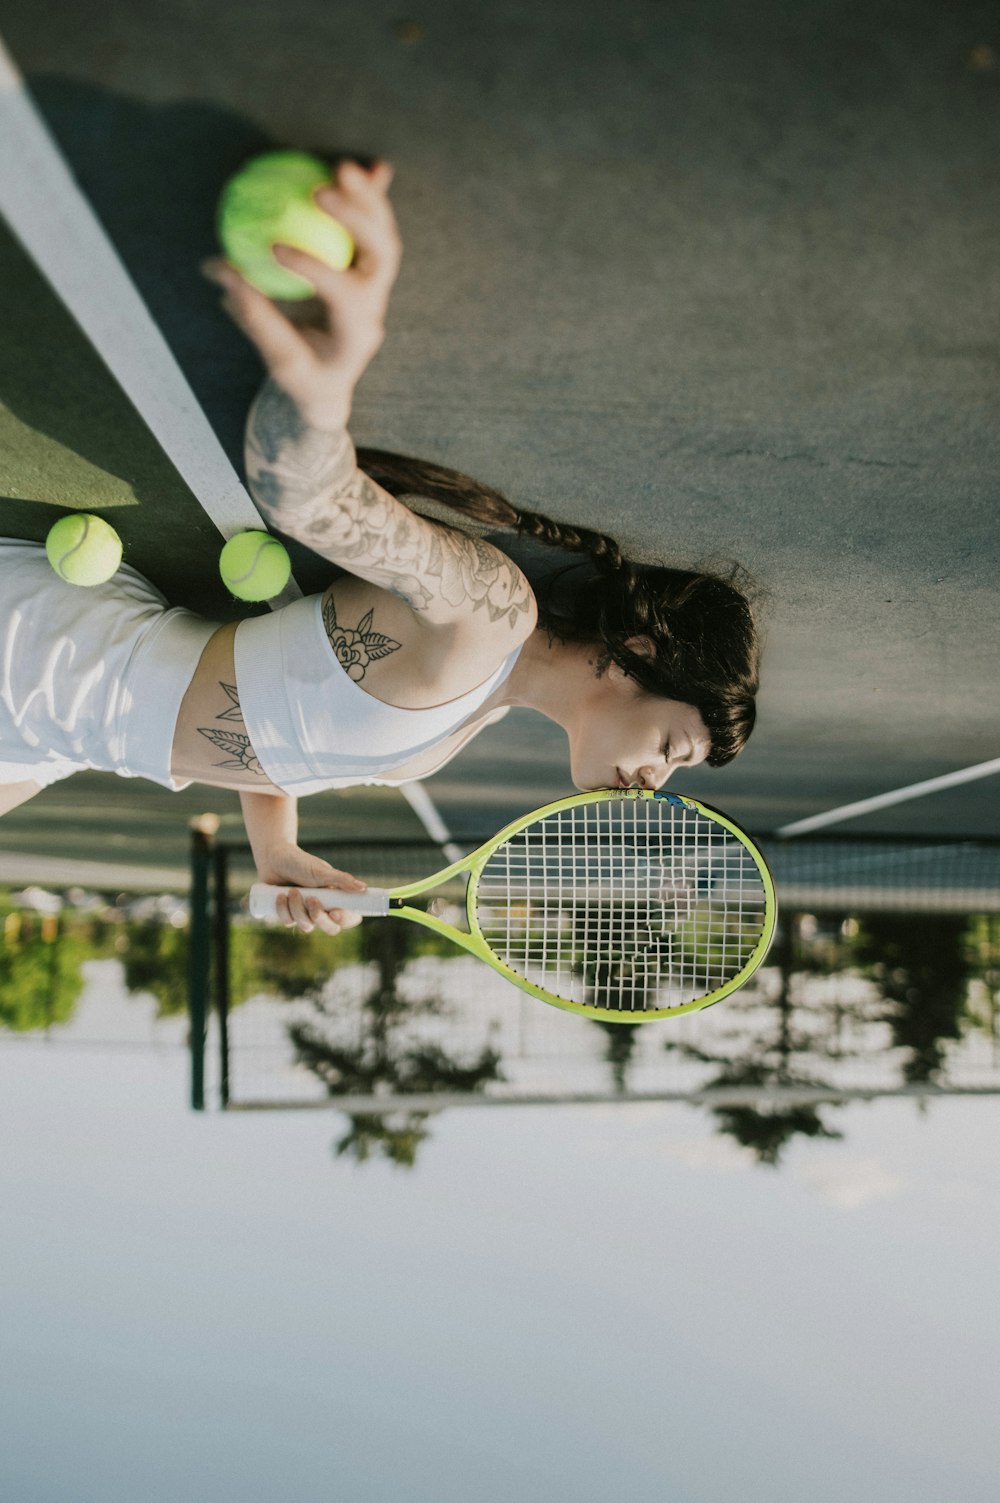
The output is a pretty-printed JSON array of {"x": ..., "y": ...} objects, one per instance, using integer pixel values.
[{"x": 372, "y": 902}]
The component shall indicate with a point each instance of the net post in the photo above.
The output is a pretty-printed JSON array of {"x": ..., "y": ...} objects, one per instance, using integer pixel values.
[
  {"x": 202, "y": 830},
  {"x": 221, "y": 980}
]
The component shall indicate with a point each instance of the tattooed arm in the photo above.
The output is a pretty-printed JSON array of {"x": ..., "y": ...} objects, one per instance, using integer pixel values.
[
  {"x": 306, "y": 481},
  {"x": 301, "y": 464}
]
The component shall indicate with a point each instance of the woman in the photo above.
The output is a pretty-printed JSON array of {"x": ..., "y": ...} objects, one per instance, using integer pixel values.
[{"x": 431, "y": 635}]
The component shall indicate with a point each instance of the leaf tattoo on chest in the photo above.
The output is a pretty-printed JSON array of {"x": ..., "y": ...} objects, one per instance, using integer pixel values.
[
  {"x": 235, "y": 744},
  {"x": 356, "y": 647}
]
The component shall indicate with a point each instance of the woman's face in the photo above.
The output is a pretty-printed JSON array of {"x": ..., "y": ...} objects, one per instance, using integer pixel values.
[{"x": 623, "y": 735}]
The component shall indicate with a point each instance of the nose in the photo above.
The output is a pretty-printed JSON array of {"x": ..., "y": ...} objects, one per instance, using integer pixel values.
[{"x": 653, "y": 777}]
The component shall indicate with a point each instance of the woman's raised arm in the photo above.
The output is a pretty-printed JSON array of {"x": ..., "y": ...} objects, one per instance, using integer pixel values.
[{"x": 301, "y": 466}]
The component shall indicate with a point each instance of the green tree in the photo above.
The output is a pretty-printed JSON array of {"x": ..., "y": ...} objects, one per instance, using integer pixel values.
[
  {"x": 622, "y": 1039},
  {"x": 40, "y": 976},
  {"x": 767, "y": 1130},
  {"x": 922, "y": 966},
  {"x": 155, "y": 959},
  {"x": 768, "y": 1055},
  {"x": 294, "y": 965},
  {"x": 982, "y": 949},
  {"x": 395, "y": 1137},
  {"x": 384, "y": 1057}
]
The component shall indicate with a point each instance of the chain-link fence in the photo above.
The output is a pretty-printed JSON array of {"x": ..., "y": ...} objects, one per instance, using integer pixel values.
[{"x": 884, "y": 979}]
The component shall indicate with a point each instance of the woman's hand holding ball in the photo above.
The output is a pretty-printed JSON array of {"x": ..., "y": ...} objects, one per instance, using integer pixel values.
[{"x": 317, "y": 363}]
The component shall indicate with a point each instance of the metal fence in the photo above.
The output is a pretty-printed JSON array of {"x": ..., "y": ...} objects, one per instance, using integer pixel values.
[{"x": 459, "y": 1011}]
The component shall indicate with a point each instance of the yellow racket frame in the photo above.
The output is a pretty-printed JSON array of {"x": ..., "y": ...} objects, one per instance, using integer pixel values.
[{"x": 476, "y": 944}]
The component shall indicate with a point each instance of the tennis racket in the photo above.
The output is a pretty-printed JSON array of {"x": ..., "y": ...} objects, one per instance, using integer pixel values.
[{"x": 623, "y": 905}]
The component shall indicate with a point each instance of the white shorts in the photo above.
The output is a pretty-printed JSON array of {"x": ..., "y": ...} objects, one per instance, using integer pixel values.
[{"x": 89, "y": 678}]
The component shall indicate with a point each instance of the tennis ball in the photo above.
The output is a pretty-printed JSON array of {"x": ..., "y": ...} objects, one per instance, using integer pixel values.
[
  {"x": 254, "y": 566},
  {"x": 83, "y": 550},
  {"x": 270, "y": 201}
]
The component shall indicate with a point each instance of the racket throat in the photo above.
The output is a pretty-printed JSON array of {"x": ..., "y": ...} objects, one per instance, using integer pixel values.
[{"x": 399, "y": 908}]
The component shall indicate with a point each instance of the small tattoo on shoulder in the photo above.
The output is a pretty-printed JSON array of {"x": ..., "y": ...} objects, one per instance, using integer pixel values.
[
  {"x": 234, "y": 712},
  {"x": 356, "y": 647}
]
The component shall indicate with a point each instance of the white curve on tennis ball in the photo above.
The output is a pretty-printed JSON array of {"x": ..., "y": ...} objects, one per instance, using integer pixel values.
[{"x": 240, "y": 578}]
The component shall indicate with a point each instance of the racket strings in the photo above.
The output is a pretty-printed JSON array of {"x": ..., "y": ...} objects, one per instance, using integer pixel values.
[{"x": 626, "y": 905}]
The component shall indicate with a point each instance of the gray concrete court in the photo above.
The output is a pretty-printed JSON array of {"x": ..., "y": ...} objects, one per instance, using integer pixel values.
[{"x": 722, "y": 279}]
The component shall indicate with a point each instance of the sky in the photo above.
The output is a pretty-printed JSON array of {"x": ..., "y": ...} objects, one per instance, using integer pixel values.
[{"x": 569, "y": 1302}]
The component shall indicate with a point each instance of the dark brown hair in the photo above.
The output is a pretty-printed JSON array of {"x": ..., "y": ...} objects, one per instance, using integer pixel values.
[{"x": 701, "y": 625}]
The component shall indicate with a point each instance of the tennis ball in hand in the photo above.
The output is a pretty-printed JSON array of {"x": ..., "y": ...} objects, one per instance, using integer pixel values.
[
  {"x": 83, "y": 549},
  {"x": 254, "y": 566},
  {"x": 270, "y": 202}
]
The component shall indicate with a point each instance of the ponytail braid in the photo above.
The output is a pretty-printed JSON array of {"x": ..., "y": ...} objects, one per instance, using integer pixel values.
[
  {"x": 484, "y": 505},
  {"x": 705, "y": 645},
  {"x": 603, "y": 550}
]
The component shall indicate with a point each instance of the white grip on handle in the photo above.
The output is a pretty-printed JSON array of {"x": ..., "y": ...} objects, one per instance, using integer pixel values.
[{"x": 372, "y": 902}]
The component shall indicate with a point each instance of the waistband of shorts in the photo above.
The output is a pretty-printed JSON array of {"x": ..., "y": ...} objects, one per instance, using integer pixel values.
[{"x": 157, "y": 680}]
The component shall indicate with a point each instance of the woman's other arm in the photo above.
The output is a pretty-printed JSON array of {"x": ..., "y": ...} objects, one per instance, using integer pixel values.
[{"x": 272, "y": 826}]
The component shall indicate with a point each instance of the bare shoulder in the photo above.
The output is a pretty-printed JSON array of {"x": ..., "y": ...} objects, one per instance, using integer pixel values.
[{"x": 393, "y": 652}]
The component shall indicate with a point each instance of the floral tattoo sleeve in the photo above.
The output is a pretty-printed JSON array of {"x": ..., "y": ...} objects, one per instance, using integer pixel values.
[{"x": 307, "y": 482}]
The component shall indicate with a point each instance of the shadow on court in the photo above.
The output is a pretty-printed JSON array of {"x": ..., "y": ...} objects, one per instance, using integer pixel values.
[
  {"x": 719, "y": 283},
  {"x": 71, "y": 437}
]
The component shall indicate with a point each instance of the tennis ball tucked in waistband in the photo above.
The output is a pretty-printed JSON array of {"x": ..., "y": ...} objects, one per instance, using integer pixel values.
[{"x": 83, "y": 549}]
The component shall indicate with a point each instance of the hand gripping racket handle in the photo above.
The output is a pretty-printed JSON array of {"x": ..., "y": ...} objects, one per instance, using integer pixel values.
[{"x": 373, "y": 902}]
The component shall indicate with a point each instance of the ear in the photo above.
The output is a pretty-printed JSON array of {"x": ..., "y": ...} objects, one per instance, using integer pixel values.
[{"x": 642, "y": 646}]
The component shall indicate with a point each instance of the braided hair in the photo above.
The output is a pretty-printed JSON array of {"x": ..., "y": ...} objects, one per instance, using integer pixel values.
[{"x": 706, "y": 649}]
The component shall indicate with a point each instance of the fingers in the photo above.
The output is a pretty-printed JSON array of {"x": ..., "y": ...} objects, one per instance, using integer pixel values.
[
  {"x": 363, "y": 185},
  {"x": 327, "y": 282},
  {"x": 279, "y": 343},
  {"x": 296, "y": 911},
  {"x": 358, "y": 198},
  {"x": 380, "y": 175}
]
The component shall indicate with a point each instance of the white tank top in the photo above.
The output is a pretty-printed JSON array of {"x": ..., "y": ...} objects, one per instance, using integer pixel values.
[
  {"x": 89, "y": 678},
  {"x": 311, "y": 726}
]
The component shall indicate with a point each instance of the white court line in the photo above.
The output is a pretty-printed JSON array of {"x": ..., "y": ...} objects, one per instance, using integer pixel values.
[
  {"x": 57, "y": 227},
  {"x": 423, "y": 806},
  {"x": 895, "y": 796},
  {"x": 50, "y": 216}
]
